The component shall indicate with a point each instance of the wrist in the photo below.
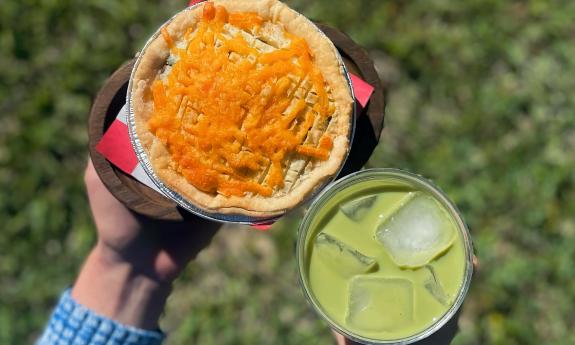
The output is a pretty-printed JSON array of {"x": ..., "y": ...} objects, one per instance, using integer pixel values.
[
  {"x": 147, "y": 262},
  {"x": 116, "y": 289}
]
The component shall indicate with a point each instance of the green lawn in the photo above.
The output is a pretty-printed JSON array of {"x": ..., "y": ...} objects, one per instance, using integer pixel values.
[{"x": 479, "y": 100}]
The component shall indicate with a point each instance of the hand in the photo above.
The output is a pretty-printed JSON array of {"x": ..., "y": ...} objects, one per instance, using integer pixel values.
[
  {"x": 128, "y": 274},
  {"x": 159, "y": 250}
]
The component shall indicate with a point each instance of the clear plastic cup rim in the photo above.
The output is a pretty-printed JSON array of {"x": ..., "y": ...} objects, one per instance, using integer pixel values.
[{"x": 384, "y": 174}]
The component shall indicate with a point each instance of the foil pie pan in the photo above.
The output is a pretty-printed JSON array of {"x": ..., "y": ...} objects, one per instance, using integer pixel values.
[{"x": 180, "y": 199}]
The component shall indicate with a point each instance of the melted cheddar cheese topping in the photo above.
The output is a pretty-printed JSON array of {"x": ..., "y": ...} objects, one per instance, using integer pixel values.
[{"x": 229, "y": 123}]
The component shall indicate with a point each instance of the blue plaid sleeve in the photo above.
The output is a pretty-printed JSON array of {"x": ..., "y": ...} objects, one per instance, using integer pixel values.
[{"x": 73, "y": 324}]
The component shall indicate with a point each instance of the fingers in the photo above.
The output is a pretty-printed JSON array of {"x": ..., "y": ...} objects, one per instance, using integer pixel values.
[
  {"x": 91, "y": 178},
  {"x": 341, "y": 340},
  {"x": 115, "y": 223},
  {"x": 98, "y": 194},
  {"x": 476, "y": 264},
  {"x": 97, "y": 191}
]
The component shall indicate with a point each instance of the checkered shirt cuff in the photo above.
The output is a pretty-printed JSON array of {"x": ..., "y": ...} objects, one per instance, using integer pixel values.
[{"x": 74, "y": 324}]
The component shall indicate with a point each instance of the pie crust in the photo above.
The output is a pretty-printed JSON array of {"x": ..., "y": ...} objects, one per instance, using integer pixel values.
[{"x": 302, "y": 174}]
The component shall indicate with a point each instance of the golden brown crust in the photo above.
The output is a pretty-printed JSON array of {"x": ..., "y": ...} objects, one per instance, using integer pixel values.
[{"x": 325, "y": 59}]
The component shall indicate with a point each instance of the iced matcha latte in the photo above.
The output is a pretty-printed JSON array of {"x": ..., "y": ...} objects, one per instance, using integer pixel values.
[{"x": 384, "y": 257}]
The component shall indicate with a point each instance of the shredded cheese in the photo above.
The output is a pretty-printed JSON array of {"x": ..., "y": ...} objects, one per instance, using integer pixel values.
[{"x": 226, "y": 124}]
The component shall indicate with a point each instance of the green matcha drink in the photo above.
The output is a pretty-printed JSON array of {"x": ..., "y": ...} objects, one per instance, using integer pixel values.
[{"x": 384, "y": 257}]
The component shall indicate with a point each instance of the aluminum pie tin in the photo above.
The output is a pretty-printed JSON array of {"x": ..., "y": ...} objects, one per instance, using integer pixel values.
[
  {"x": 173, "y": 195},
  {"x": 330, "y": 194}
]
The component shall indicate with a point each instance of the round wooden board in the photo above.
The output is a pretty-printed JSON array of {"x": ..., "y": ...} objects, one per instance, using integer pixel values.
[{"x": 145, "y": 201}]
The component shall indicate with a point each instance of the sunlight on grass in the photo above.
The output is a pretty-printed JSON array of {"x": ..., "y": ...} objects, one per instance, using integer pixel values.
[{"x": 479, "y": 100}]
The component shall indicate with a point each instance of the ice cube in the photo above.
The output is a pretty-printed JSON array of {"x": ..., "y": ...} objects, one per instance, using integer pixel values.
[
  {"x": 417, "y": 233},
  {"x": 379, "y": 304},
  {"x": 357, "y": 208},
  {"x": 434, "y": 287},
  {"x": 346, "y": 260}
]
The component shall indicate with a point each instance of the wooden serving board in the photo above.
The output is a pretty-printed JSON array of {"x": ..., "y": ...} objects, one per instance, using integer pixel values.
[{"x": 145, "y": 201}]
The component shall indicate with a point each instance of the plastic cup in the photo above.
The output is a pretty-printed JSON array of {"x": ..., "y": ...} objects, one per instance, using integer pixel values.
[{"x": 355, "y": 183}]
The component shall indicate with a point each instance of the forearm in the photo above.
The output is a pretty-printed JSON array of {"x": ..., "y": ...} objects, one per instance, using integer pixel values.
[{"x": 116, "y": 290}]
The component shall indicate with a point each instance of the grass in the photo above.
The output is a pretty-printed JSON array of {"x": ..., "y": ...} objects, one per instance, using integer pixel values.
[{"x": 479, "y": 100}]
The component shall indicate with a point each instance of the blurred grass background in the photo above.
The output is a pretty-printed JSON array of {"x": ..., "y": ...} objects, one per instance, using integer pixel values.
[{"x": 480, "y": 101}]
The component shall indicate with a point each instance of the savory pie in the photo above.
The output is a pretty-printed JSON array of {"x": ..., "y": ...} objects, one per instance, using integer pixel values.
[{"x": 242, "y": 106}]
